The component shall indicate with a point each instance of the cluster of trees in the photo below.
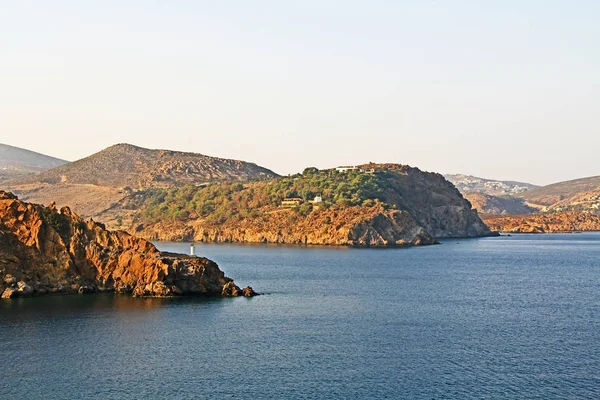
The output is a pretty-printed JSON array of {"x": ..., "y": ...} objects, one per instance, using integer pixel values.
[
  {"x": 221, "y": 202},
  {"x": 337, "y": 188}
]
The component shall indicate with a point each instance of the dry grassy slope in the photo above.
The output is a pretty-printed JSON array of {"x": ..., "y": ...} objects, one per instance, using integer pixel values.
[
  {"x": 87, "y": 200},
  {"x": 562, "y": 191},
  {"x": 91, "y": 186},
  {"x": 127, "y": 165},
  {"x": 487, "y": 204}
]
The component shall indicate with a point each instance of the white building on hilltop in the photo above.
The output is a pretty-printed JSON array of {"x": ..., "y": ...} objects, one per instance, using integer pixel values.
[{"x": 344, "y": 168}]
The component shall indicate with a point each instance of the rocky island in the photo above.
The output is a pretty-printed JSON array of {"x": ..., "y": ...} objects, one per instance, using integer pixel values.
[{"x": 44, "y": 250}]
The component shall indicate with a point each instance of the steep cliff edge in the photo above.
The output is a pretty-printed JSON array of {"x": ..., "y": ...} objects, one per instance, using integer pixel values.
[
  {"x": 348, "y": 226},
  {"x": 44, "y": 251}
]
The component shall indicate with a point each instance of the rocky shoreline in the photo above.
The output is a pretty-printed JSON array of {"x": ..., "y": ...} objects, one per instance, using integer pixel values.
[
  {"x": 46, "y": 251},
  {"x": 560, "y": 222}
]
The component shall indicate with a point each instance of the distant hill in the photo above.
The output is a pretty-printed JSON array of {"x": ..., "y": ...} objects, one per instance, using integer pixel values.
[
  {"x": 96, "y": 183},
  {"x": 574, "y": 195},
  {"x": 472, "y": 184},
  {"x": 17, "y": 163},
  {"x": 125, "y": 165},
  {"x": 486, "y": 204}
]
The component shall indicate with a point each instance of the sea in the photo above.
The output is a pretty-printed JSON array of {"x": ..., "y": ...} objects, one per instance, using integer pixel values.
[{"x": 511, "y": 317}]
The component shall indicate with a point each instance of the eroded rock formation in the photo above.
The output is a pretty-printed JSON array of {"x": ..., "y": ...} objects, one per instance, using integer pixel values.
[
  {"x": 43, "y": 250},
  {"x": 349, "y": 226}
]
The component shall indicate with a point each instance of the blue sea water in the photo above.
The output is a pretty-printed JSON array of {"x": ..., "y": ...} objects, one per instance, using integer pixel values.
[{"x": 494, "y": 318}]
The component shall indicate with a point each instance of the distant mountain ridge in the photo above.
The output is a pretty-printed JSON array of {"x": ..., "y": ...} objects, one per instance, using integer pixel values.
[
  {"x": 575, "y": 195},
  {"x": 124, "y": 165},
  {"x": 17, "y": 163}
]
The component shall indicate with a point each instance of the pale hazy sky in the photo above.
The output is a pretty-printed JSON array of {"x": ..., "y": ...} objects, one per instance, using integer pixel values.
[{"x": 500, "y": 89}]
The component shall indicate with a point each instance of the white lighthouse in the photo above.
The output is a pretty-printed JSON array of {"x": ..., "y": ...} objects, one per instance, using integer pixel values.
[{"x": 192, "y": 250}]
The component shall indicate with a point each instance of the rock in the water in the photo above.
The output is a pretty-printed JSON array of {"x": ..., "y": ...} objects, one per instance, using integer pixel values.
[
  {"x": 231, "y": 290},
  {"x": 85, "y": 290},
  {"x": 9, "y": 293},
  {"x": 249, "y": 292},
  {"x": 24, "y": 289}
]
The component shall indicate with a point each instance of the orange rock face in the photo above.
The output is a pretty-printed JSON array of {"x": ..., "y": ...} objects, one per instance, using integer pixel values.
[
  {"x": 349, "y": 226},
  {"x": 543, "y": 223},
  {"x": 43, "y": 251}
]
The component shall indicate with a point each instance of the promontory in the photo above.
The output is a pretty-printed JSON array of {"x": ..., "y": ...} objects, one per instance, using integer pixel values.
[{"x": 44, "y": 250}]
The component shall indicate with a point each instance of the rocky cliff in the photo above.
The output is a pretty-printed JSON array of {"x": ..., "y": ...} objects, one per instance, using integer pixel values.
[
  {"x": 43, "y": 250},
  {"x": 349, "y": 226}
]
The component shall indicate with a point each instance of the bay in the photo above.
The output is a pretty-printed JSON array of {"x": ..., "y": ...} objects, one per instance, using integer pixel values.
[{"x": 507, "y": 317}]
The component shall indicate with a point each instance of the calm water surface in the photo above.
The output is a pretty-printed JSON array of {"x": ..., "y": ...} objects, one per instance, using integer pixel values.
[{"x": 510, "y": 317}]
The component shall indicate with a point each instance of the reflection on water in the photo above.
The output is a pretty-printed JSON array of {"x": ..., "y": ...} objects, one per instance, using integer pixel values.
[{"x": 57, "y": 306}]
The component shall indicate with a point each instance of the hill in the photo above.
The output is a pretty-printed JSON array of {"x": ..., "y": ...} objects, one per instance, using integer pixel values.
[
  {"x": 96, "y": 183},
  {"x": 17, "y": 163},
  {"x": 378, "y": 205},
  {"x": 472, "y": 184},
  {"x": 574, "y": 195},
  {"x": 486, "y": 204},
  {"x": 125, "y": 165}
]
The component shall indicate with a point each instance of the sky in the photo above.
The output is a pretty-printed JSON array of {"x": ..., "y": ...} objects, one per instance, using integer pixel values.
[{"x": 498, "y": 89}]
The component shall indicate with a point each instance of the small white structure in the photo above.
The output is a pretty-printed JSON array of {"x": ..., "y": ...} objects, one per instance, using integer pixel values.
[
  {"x": 192, "y": 250},
  {"x": 346, "y": 168},
  {"x": 318, "y": 199}
]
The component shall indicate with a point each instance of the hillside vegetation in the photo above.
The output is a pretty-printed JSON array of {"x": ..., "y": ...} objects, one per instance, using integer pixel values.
[
  {"x": 394, "y": 204},
  {"x": 93, "y": 185},
  {"x": 219, "y": 203}
]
